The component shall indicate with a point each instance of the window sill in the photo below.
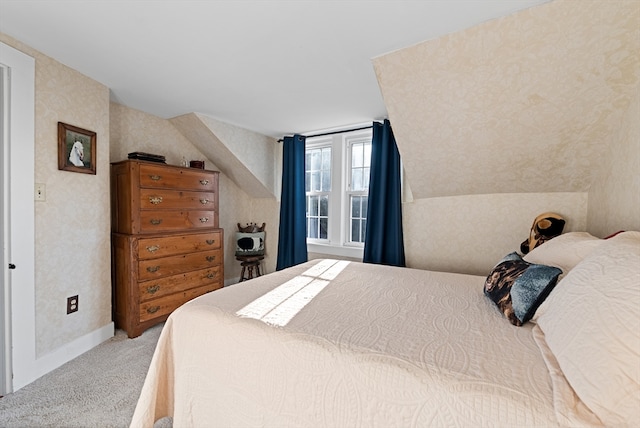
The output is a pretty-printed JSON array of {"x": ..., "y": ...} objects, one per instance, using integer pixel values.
[{"x": 336, "y": 250}]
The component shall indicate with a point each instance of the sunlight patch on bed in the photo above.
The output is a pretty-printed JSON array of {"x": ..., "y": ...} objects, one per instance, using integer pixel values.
[{"x": 281, "y": 304}]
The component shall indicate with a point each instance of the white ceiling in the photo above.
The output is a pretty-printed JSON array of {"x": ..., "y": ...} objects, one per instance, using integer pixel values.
[{"x": 274, "y": 67}]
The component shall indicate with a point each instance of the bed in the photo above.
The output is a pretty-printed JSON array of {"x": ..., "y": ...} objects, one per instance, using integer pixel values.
[{"x": 345, "y": 344}]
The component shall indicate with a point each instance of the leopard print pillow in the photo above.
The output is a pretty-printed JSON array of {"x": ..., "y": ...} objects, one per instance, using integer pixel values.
[{"x": 518, "y": 287}]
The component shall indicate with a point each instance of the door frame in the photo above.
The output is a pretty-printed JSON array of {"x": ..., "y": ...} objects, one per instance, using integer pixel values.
[{"x": 5, "y": 307}]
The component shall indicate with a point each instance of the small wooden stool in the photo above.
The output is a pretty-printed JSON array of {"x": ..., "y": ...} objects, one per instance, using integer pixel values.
[{"x": 249, "y": 263}]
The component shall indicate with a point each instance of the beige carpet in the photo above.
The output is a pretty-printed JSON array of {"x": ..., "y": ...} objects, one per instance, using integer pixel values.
[{"x": 100, "y": 388}]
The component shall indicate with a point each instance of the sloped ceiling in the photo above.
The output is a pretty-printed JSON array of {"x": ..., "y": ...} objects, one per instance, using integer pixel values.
[
  {"x": 524, "y": 103},
  {"x": 244, "y": 156}
]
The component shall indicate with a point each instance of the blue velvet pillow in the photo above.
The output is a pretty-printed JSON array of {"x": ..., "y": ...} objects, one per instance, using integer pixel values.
[{"x": 518, "y": 287}]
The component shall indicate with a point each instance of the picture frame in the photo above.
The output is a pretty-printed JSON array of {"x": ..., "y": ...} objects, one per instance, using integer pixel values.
[{"x": 76, "y": 149}]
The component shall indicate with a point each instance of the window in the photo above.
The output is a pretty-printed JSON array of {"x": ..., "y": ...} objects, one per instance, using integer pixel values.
[
  {"x": 318, "y": 188},
  {"x": 358, "y": 188},
  {"x": 337, "y": 186}
]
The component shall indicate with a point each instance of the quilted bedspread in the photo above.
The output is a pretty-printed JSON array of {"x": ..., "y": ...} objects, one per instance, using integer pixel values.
[{"x": 339, "y": 344}]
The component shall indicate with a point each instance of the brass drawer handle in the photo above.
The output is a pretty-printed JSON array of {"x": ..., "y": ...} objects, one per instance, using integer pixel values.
[
  {"x": 153, "y": 269},
  {"x": 155, "y": 221},
  {"x": 155, "y": 200},
  {"x": 204, "y": 219},
  {"x": 204, "y": 182},
  {"x": 211, "y": 258},
  {"x": 211, "y": 276},
  {"x": 152, "y": 289},
  {"x": 153, "y": 309},
  {"x": 155, "y": 177},
  {"x": 204, "y": 201},
  {"x": 210, "y": 241},
  {"x": 153, "y": 248}
]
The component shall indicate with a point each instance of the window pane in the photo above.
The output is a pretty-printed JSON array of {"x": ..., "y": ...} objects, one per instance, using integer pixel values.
[
  {"x": 307, "y": 160},
  {"x": 355, "y": 230},
  {"x": 315, "y": 160},
  {"x": 326, "y": 181},
  {"x": 315, "y": 181},
  {"x": 356, "y": 179},
  {"x": 358, "y": 220},
  {"x": 326, "y": 158},
  {"x": 324, "y": 228},
  {"x": 324, "y": 206},
  {"x": 313, "y": 209},
  {"x": 367, "y": 154},
  {"x": 365, "y": 178},
  {"x": 355, "y": 206},
  {"x": 313, "y": 227},
  {"x": 318, "y": 169},
  {"x": 357, "y": 155},
  {"x": 360, "y": 163}
]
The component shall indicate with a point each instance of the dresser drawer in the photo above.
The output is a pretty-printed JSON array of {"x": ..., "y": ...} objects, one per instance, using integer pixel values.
[
  {"x": 161, "y": 287},
  {"x": 173, "y": 265},
  {"x": 172, "y": 220},
  {"x": 165, "y": 305},
  {"x": 176, "y": 199},
  {"x": 158, "y": 176},
  {"x": 168, "y": 245}
]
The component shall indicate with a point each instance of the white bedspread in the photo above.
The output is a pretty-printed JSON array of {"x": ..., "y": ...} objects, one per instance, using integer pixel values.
[{"x": 377, "y": 346}]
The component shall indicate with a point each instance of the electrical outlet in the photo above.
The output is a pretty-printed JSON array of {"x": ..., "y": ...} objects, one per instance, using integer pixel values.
[{"x": 72, "y": 304}]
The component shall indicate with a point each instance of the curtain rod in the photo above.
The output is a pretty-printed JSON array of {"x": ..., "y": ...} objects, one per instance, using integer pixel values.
[{"x": 333, "y": 132}]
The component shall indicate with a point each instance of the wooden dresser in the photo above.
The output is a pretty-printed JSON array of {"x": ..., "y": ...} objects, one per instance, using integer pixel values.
[{"x": 166, "y": 244}]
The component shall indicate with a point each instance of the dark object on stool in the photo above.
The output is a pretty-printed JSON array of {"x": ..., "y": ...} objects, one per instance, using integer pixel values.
[{"x": 250, "y": 249}]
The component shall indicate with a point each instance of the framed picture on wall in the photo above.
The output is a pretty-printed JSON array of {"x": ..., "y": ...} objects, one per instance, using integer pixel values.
[{"x": 76, "y": 149}]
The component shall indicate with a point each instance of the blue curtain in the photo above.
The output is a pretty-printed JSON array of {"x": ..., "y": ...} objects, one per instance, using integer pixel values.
[
  {"x": 292, "y": 237},
  {"x": 383, "y": 242}
]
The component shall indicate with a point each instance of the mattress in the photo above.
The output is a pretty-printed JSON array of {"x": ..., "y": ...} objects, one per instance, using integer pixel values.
[{"x": 345, "y": 344}]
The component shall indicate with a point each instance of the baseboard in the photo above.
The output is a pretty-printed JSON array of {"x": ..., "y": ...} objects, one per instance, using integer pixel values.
[{"x": 68, "y": 352}]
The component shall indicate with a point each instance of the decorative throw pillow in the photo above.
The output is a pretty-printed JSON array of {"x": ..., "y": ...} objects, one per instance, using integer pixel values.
[
  {"x": 250, "y": 244},
  {"x": 518, "y": 287}
]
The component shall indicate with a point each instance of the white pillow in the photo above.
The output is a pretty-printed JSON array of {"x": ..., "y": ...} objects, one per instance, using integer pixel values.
[
  {"x": 564, "y": 251},
  {"x": 591, "y": 323}
]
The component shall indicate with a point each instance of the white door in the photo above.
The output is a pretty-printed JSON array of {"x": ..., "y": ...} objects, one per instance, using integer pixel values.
[
  {"x": 5, "y": 386},
  {"x": 17, "y": 220}
]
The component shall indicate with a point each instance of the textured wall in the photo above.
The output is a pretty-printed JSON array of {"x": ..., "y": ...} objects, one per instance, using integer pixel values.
[
  {"x": 470, "y": 234},
  {"x": 72, "y": 227},
  {"x": 72, "y": 252},
  {"x": 133, "y": 130},
  {"x": 518, "y": 104},
  {"x": 614, "y": 198},
  {"x": 257, "y": 152}
]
